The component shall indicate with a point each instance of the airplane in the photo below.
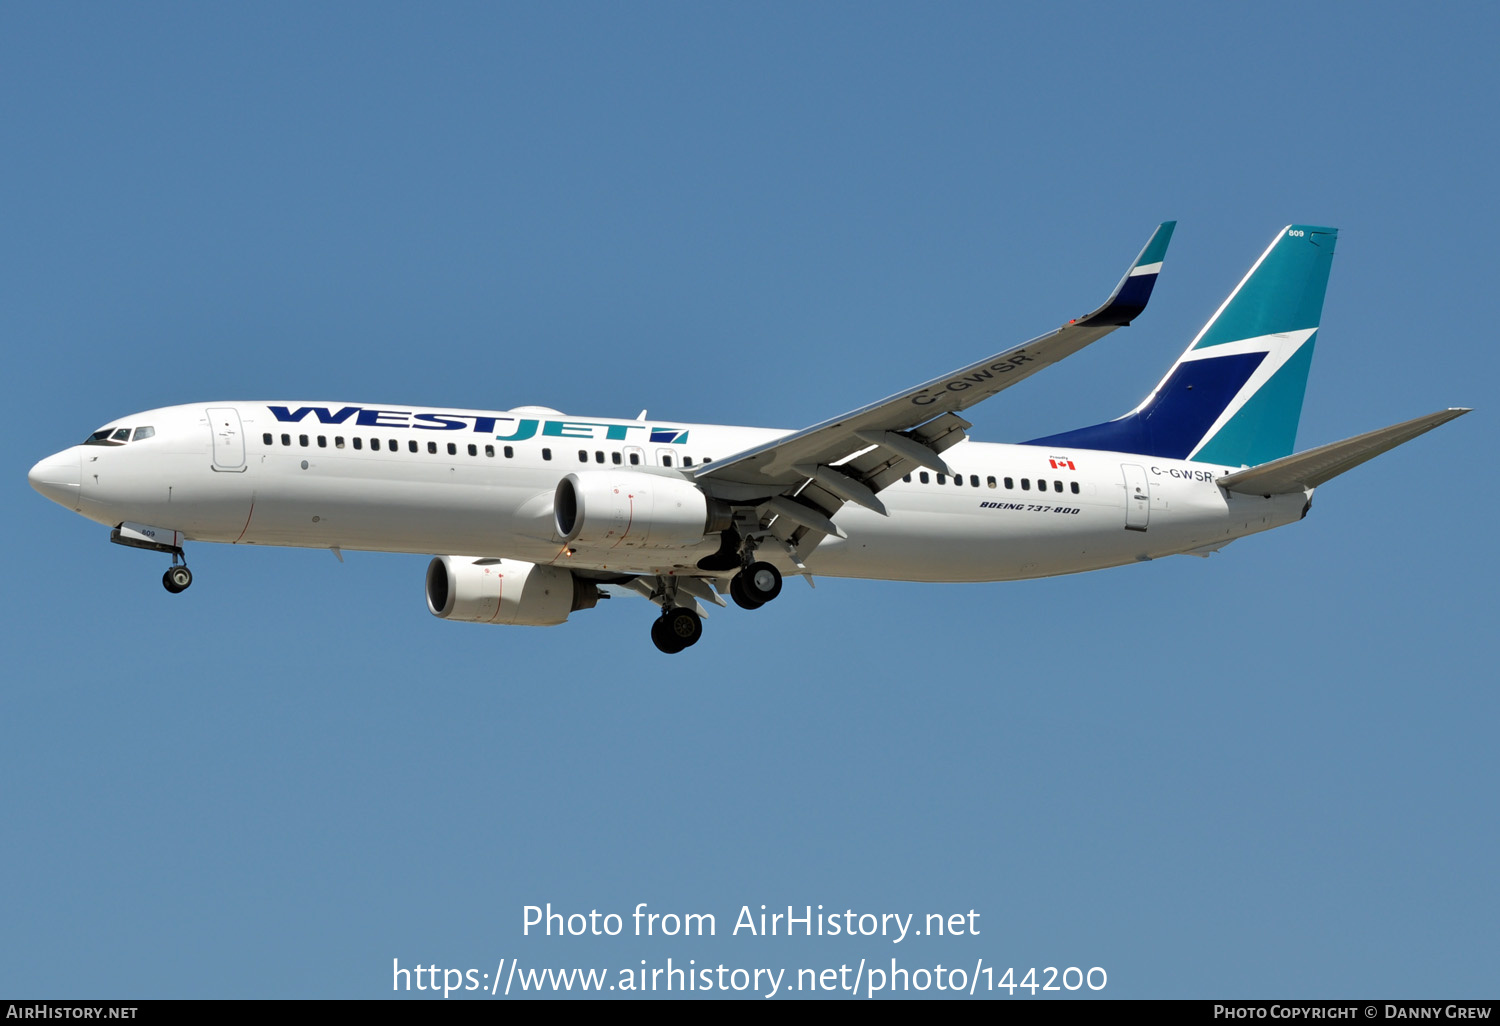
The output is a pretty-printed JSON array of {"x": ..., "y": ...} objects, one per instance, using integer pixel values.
[{"x": 542, "y": 514}]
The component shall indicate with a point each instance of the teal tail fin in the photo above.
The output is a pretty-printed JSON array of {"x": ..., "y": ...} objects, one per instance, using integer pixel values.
[{"x": 1235, "y": 396}]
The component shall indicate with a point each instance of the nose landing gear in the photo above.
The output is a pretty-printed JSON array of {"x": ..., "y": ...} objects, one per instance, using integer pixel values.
[
  {"x": 157, "y": 539},
  {"x": 177, "y": 578}
]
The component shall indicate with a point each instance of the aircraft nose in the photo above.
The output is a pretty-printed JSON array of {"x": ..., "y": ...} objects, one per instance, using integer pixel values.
[{"x": 59, "y": 477}]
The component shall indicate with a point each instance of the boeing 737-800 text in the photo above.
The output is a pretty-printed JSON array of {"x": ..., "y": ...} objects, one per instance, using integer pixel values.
[{"x": 543, "y": 513}]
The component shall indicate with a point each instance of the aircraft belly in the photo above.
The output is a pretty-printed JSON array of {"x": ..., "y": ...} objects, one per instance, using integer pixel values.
[
  {"x": 979, "y": 544},
  {"x": 1015, "y": 540}
]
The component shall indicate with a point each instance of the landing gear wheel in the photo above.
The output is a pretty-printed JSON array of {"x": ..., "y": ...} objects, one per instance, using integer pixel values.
[
  {"x": 660, "y": 640},
  {"x": 676, "y": 629},
  {"x": 177, "y": 579},
  {"x": 740, "y": 595},
  {"x": 760, "y": 582}
]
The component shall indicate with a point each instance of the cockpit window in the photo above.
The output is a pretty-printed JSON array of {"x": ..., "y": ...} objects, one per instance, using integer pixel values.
[{"x": 118, "y": 436}]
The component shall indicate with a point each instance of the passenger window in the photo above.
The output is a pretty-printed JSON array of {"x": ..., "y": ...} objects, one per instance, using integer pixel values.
[
  {"x": 266, "y": 438},
  {"x": 338, "y": 441},
  {"x": 359, "y": 443},
  {"x": 122, "y": 435},
  {"x": 942, "y": 479},
  {"x": 1010, "y": 482},
  {"x": 393, "y": 445},
  {"x": 991, "y": 481},
  {"x": 687, "y": 461},
  {"x": 302, "y": 441},
  {"x": 546, "y": 454},
  {"x": 452, "y": 449},
  {"x": 958, "y": 479},
  {"x": 322, "y": 441},
  {"x": 1075, "y": 487},
  {"x": 1057, "y": 486},
  {"x": 666, "y": 461},
  {"x": 510, "y": 453},
  {"x": 286, "y": 439},
  {"x": 143, "y": 433},
  {"x": 413, "y": 446},
  {"x": 973, "y": 480},
  {"x": 473, "y": 449},
  {"x": 1025, "y": 484},
  {"x": 907, "y": 479},
  {"x": 1041, "y": 485},
  {"x": 432, "y": 448},
  {"x": 599, "y": 456},
  {"x": 635, "y": 459},
  {"x": 923, "y": 477},
  {"x": 489, "y": 450},
  {"x": 374, "y": 445},
  {"x": 615, "y": 458},
  {"x": 583, "y": 455}
]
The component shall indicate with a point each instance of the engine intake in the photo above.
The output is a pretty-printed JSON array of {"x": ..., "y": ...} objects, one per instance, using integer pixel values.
[
  {"x": 645, "y": 511},
  {"x": 506, "y": 591}
]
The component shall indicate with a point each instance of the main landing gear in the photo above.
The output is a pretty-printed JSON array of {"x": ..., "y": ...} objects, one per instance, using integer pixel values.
[
  {"x": 676, "y": 629},
  {"x": 680, "y": 626},
  {"x": 755, "y": 585}
]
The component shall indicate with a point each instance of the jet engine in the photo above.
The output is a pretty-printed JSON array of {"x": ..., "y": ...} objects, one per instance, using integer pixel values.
[
  {"x": 634, "y": 510},
  {"x": 506, "y": 591}
]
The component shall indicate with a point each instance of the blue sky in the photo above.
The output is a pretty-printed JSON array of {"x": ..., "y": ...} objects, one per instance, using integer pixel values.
[{"x": 1270, "y": 773}]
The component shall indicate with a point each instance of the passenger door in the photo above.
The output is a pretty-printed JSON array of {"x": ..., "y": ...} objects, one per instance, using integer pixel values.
[
  {"x": 228, "y": 439},
  {"x": 1137, "y": 497}
]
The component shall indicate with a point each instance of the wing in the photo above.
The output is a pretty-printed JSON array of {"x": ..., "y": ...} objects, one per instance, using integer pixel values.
[{"x": 802, "y": 479}]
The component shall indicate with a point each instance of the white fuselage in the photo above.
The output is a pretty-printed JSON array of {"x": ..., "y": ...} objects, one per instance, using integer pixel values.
[{"x": 481, "y": 483}]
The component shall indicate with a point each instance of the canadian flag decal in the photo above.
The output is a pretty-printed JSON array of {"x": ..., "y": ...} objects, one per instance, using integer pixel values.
[{"x": 1061, "y": 464}]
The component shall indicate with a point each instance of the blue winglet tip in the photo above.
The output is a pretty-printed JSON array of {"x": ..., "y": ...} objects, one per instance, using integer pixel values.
[
  {"x": 1156, "y": 246},
  {"x": 1134, "y": 291}
]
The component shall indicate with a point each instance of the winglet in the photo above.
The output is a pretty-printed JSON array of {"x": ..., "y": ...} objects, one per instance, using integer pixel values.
[{"x": 1134, "y": 291}]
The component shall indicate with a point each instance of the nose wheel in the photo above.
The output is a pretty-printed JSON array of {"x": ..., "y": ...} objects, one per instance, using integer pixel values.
[
  {"x": 676, "y": 629},
  {"x": 177, "y": 579}
]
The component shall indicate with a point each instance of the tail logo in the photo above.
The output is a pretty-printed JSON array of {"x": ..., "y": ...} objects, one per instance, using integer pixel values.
[{"x": 1234, "y": 397}]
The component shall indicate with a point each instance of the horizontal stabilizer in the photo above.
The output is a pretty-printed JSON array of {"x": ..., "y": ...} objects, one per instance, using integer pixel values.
[{"x": 1315, "y": 466}]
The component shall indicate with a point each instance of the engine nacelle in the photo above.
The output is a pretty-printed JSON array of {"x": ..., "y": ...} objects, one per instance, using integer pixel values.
[
  {"x": 506, "y": 591},
  {"x": 633, "y": 510}
]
